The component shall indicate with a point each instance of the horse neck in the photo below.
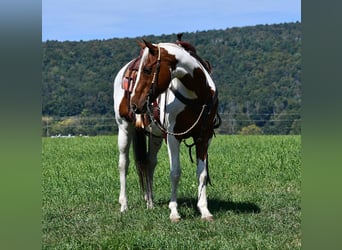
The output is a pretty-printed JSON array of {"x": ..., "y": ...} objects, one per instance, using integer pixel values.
[
  {"x": 189, "y": 72},
  {"x": 194, "y": 78}
]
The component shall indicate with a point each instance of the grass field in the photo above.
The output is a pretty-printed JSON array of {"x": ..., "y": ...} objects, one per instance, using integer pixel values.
[{"x": 255, "y": 197}]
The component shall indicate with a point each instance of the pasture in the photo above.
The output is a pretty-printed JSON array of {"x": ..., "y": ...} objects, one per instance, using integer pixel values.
[{"x": 254, "y": 197}]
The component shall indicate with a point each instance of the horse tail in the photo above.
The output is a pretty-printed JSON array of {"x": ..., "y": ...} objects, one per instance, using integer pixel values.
[
  {"x": 217, "y": 121},
  {"x": 141, "y": 156}
]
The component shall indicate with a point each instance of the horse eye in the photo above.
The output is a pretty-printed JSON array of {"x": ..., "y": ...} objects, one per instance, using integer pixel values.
[{"x": 147, "y": 71}]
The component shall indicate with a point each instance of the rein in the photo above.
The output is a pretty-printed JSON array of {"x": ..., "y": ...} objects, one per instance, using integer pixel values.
[
  {"x": 155, "y": 75},
  {"x": 163, "y": 129}
]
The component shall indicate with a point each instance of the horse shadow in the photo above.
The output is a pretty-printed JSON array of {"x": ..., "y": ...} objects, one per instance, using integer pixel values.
[{"x": 218, "y": 206}]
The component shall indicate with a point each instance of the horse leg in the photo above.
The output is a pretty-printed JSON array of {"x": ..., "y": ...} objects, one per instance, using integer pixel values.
[
  {"x": 124, "y": 141},
  {"x": 175, "y": 173},
  {"x": 202, "y": 175},
  {"x": 154, "y": 146}
]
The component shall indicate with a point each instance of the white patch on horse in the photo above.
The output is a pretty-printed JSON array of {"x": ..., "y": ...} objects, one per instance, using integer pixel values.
[
  {"x": 142, "y": 61},
  {"x": 187, "y": 64},
  {"x": 177, "y": 84}
]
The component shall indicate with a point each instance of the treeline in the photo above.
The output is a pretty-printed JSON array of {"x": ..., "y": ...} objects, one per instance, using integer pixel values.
[{"x": 257, "y": 70}]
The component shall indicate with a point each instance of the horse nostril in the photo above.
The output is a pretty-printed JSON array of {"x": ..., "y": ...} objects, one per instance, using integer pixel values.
[{"x": 134, "y": 107}]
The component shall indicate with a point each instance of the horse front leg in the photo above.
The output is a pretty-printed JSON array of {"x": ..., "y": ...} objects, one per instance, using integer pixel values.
[
  {"x": 202, "y": 175},
  {"x": 124, "y": 141},
  {"x": 175, "y": 173}
]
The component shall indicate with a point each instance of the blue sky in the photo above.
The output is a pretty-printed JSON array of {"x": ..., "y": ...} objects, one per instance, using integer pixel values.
[{"x": 76, "y": 20}]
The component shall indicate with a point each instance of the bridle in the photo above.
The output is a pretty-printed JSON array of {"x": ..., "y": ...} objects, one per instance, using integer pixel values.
[{"x": 154, "y": 84}]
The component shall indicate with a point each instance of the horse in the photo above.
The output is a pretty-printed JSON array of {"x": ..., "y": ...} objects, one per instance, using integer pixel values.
[{"x": 173, "y": 84}]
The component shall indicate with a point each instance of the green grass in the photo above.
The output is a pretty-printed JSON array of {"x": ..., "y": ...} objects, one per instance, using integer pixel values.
[{"x": 255, "y": 197}]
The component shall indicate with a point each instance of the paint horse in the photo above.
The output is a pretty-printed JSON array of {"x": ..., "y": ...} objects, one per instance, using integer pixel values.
[{"x": 176, "y": 86}]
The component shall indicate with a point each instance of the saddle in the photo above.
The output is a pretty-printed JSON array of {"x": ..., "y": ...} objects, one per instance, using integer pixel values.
[
  {"x": 127, "y": 85},
  {"x": 131, "y": 75}
]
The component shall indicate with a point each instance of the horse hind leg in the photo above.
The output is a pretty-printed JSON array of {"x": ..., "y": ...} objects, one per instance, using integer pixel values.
[
  {"x": 175, "y": 174},
  {"x": 202, "y": 203},
  {"x": 202, "y": 175}
]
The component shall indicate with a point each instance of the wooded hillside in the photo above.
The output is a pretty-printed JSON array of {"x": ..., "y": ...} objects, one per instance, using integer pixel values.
[{"x": 257, "y": 70}]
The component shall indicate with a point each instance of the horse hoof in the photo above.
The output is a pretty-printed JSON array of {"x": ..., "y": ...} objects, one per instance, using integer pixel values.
[
  {"x": 208, "y": 218},
  {"x": 123, "y": 208},
  {"x": 175, "y": 220},
  {"x": 149, "y": 205}
]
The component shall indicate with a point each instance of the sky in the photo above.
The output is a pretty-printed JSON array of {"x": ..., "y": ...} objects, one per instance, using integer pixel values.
[{"x": 76, "y": 20}]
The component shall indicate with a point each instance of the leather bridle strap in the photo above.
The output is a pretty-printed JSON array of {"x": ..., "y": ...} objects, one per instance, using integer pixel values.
[{"x": 154, "y": 83}]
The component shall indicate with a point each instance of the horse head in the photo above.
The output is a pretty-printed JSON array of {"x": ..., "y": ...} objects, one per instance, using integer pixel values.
[{"x": 153, "y": 77}]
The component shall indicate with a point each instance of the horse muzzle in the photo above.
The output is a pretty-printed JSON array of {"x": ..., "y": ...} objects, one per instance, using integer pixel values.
[
  {"x": 139, "y": 121},
  {"x": 135, "y": 108}
]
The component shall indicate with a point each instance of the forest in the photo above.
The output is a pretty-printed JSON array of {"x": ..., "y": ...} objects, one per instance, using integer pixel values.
[{"x": 257, "y": 70}]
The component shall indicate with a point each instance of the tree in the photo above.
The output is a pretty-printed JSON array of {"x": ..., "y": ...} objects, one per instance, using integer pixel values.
[{"x": 251, "y": 130}]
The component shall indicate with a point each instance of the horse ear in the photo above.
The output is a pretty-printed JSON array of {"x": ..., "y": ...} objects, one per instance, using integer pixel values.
[
  {"x": 141, "y": 44},
  {"x": 151, "y": 47}
]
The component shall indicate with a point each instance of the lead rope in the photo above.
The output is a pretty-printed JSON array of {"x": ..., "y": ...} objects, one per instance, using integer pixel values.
[
  {"x": 169, "y": 132},
  {"x": 189, "y": 146}
]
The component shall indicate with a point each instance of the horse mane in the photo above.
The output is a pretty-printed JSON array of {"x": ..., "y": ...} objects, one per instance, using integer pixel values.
[{"x": 171, "y": 45}]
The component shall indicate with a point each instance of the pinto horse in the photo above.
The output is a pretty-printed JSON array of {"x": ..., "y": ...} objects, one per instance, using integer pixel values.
[
  {"x": 176, "y": 86},
  {"x": 188, "y": 108}
]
